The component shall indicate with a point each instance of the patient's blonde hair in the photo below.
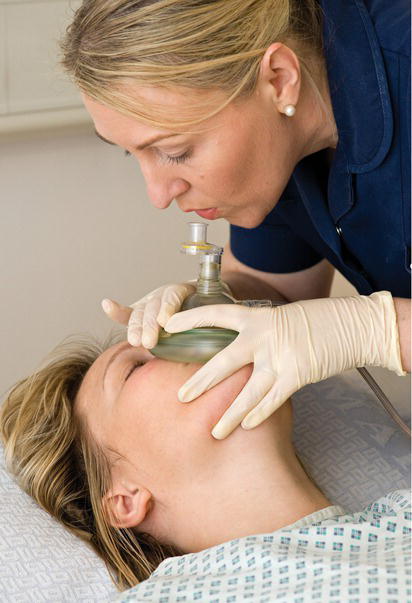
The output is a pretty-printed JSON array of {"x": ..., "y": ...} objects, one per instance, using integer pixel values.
[
  {"x": 213, "y": 45},
  {"x": 57, "y": 462}
]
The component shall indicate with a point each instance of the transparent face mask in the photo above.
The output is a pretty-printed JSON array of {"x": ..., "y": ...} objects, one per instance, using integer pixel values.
[{"x": 201, "y": 344}]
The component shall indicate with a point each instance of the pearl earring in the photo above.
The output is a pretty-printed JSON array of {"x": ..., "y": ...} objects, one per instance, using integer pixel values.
[{"x": 289, "y": 110}]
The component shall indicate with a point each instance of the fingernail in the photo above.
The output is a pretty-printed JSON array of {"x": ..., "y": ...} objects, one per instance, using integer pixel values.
[
  {"x": 247, "y": 424},
  {"x": 107, "y": 305},
  {"x": 161, "y": 319},
  {"x": 134, "y": 339},
  {"x": 183, "y": 396},
  {"x": 218, "y": 432},
  {"x": 147, "y": 342},
  {"x": 171, "y": 324}
]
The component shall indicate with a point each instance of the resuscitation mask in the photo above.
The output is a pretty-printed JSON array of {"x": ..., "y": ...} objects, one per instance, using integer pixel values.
[{"x": 200, "y": 344}]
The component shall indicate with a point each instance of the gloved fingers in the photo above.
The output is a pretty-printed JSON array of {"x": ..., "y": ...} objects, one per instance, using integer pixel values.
[
  {"x": 226, "y": 362},
  {"x": 150, "y": 326},
  {"x": 134, "y": 328},
  {"x": 268, "y": 405},
  {"x": 229, "y": 316},
  {"x": 116, "y": 311},
  {"x": 172, "y": 299},
  {"x": 255, "y": 389}
]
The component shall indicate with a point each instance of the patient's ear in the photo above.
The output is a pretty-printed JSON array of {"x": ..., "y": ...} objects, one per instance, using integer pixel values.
[{"x": 127, "y": 505}]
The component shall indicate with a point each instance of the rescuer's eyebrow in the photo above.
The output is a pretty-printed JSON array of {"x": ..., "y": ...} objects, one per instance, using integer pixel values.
[{"x": 142, "y": 146}]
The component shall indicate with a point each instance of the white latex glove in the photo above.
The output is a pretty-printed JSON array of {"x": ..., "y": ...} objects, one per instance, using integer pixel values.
[
  {"x": 145, "y": 317},
  {"x": 290, "y": 345}
]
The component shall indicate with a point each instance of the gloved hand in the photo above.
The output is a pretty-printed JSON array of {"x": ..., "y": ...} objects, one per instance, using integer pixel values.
[
  {"x": 145, "y": 317},
  {"x": 291, "y": 345}
]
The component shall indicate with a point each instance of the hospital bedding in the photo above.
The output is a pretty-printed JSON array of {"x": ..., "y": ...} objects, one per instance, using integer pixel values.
[
  {"x": 347, "y": 442},
  {"x": 353, "y": 449},
  {"x": 40, "y": 561},
  {"x": 329, "y": 555}
]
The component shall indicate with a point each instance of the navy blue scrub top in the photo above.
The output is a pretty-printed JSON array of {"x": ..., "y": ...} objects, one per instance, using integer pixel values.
[{"x": 355, "y": 213}]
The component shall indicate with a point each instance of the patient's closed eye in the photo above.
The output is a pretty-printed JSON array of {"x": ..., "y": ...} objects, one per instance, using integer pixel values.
[{"x": 133, "y": 368}]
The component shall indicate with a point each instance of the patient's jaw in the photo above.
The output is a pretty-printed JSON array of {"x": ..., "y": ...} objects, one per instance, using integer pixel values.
[
  {"x": 131, "y": 406},
  {"x": 171, "y": 478}
]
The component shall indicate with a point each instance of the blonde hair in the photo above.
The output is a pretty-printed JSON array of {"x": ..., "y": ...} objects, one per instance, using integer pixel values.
[
  {"x": 57, "y": 462},
  {"x": 212, "y": 45}
]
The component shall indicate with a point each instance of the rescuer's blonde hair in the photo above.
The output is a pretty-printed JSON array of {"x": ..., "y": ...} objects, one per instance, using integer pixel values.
[
  {"x": 203, "y": 45},
  {"x": 57, "y": 462}
]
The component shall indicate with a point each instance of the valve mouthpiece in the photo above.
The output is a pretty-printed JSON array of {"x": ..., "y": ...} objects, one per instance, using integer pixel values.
[{"x": 197, "y": 243}]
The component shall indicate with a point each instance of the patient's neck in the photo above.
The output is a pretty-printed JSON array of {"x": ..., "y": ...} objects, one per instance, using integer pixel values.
[{"x": 253, "y": 485}]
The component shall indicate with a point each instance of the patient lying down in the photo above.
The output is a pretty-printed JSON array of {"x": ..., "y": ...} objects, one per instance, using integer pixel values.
[{"x": 100, "y": 440}]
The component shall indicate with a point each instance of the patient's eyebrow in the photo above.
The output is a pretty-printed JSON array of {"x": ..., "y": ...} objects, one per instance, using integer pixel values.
[
  {"x": 112, "y": 359},
  {"x": 103, "y": 138}
]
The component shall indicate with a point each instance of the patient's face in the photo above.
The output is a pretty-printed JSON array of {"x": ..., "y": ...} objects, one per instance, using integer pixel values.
[{"x": 129, "y": 401}]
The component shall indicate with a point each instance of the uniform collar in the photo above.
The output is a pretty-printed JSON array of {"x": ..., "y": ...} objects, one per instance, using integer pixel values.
[{"x": 358, "y": 85}]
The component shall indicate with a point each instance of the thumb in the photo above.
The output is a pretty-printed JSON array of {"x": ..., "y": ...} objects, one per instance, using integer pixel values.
[
  {"x": 172, "y": 298},
  {"x": 227, "y": 316},
  {"x": 116, "y": 311}
]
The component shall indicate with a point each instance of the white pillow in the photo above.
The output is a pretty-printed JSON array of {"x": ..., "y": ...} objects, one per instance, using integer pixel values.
[
  {"x": 349, "y": 444},
  {"x": 41, "y": 561}
]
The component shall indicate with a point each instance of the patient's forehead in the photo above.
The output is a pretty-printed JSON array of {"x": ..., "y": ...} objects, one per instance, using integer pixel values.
[
  {"x": 98, "y": 367},
  {"x": 92, "y": 382},
  {"x": 96, "y": 374}
]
